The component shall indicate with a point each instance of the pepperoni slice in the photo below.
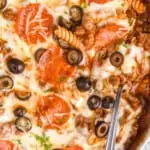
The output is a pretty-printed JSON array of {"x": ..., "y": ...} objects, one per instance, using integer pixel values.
[
  {"x": 6, "y": 145},
  {"x": 109, "y": 34},
  {"x": 52, "y": 112},
  {"x": 74, "y": 148},
  {"x": 53, "y": 67},
  {"x": 34, "y": 23},
  {"x": 99, "y": 1}
]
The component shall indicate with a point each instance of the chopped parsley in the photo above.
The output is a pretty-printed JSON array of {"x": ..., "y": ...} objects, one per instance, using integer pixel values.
[
  {"x": 43, "y": 140},
  {"x": 124, "y": 45},
  {"x": 47, "y": 90},
  {"x": 17, "y": 141}
]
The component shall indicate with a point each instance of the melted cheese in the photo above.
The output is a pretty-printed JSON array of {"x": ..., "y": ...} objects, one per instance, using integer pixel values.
[
  {"x": 68, "y": 133},
  {"x": 59, "y": 140},
  {"x": 136, "y": 53},
  {"x": 111, "y": 6}
]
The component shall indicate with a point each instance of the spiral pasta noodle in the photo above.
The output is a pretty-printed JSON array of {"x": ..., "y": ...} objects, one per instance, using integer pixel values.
[
  {"x": 69, "y": 37},
  {"x": 137, "y": 5}
]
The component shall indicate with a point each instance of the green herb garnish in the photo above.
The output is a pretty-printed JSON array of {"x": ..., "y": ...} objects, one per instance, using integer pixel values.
[
  {"x": 17, "y": 141},
  {"x": 124, "y": 45},
  {"x": 47, "y": 90},
  {"x": 43, "y": 140}
]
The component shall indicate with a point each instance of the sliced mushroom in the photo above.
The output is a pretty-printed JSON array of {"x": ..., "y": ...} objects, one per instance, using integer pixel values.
[
  {"x": 23, "y": 124},
  {"x": 3, "y": 3},
  {"x": 23, "y": 95},
  {"x": 6, "y": 83}
]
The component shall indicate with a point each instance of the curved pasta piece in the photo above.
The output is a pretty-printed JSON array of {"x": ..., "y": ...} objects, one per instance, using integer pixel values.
[
  {"x": 137, "y": 5},
  {"x": 69, "y": 37}
]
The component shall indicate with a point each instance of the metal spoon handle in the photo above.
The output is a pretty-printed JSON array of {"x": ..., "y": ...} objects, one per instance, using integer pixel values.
[{"x": 113, "y": 125}]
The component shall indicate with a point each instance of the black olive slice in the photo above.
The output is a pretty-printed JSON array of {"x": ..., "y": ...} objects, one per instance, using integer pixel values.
[
  {"x": 19, "y": 111},
  {"x": 94, "y": 102},
  {"x": 63, "y": 44},
  {"x": 74, "y": 57},
  {"x": 15, "y": 65},
  {"x": 3, "y": 3},
  {"x": 23, "y": 124},
  {"x": 116, "y": 59},
  {"x": 39, "y": 53},
  {"x": 64, "y": 23},
  {"x": 101, "y": 129},
  {"x": 6, "y": 83},
  {"x": 76, "y": 14},
  {"x": 108, "y": 102},
  {"x": 23, "y": 95},
  {"x": 83, "y": 83}
]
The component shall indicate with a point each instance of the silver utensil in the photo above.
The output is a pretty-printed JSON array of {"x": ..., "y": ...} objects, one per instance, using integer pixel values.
[{"x": 113, "y": 125}]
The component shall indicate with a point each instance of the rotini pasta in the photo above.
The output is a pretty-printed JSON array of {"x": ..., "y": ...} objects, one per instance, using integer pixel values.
[
  {"x": 69, "y": 37},
  {"x": 137, "y": 5}
]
